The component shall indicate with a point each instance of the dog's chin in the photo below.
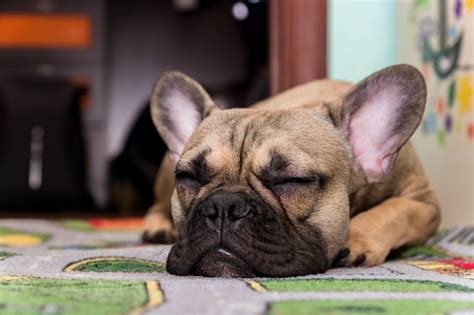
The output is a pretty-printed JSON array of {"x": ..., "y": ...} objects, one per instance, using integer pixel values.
[{"x": 221, "y": 262}]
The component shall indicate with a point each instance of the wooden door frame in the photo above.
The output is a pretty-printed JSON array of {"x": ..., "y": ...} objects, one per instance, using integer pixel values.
[{"x": 298, "y": 36}]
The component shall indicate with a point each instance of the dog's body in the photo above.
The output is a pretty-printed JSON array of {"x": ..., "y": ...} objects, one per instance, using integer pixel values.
[{"x": 270, "y": 190}]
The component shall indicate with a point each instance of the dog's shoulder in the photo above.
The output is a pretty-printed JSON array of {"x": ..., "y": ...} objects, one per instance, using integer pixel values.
[{"x": 314, "y": 94}]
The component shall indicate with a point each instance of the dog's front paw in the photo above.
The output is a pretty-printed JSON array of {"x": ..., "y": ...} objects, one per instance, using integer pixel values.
[
  {"x": 362, "y": 249},
  {"x": 159, "y": 229}
]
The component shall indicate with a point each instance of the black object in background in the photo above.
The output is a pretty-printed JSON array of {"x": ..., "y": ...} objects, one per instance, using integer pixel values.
[
  {"x": 42, "y": 160},
  {"x": 132, "y": 173}
]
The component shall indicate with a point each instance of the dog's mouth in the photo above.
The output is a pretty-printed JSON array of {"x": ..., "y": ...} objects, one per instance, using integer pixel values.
[
  {"x": 221, "y": 262},
  {"x": 260, "y": 244}
]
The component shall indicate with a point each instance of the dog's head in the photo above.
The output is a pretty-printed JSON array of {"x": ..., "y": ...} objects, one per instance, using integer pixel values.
[{"x": 265, "y": 192}]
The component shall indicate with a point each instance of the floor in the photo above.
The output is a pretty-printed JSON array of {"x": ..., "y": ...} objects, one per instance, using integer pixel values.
[{"x": 99, "y": 266}]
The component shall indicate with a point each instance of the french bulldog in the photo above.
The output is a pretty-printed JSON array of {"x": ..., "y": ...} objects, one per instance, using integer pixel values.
[{"x": 320, "y": 175}]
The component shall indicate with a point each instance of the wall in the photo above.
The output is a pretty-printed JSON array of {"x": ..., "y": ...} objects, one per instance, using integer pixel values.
[{"x": 361, "y": 37}]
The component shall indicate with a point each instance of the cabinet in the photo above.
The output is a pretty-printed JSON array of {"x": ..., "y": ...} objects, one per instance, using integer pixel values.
[{"x": 54, "y": 38}]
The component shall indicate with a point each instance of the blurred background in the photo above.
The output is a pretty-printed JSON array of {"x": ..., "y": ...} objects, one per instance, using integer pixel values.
[{"x": 75, "y": 77}]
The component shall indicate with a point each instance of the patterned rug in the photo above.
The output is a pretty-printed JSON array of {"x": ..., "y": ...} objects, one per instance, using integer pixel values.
[{"x": 100, "y": 267}]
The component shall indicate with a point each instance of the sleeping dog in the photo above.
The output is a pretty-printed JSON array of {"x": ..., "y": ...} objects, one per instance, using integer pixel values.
[{"x": 321, "y": 174}]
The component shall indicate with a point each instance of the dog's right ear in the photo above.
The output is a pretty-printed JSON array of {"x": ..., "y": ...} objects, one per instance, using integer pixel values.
[{"x": 178, "y": 105}]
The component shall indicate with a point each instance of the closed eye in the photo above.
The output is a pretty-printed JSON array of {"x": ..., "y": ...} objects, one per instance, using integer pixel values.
[
  {"x": 187, "y": 176},
  {"x": 303, "y": 181}
]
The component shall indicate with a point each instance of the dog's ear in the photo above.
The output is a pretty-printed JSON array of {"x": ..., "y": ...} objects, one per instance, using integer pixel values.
[
  {"x": 178, "y": 105},
  {"x": 378, "y": 115}
]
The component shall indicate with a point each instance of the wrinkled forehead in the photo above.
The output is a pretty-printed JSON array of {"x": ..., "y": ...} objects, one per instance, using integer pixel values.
[
  {"x": 242, "y": 138},
  {"x": 258, "y": 125}
]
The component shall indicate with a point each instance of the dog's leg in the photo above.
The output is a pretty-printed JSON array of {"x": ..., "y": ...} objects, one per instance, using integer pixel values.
[
  {"x": 159, "y": 227},
  {"x": 394, "y": 223}
]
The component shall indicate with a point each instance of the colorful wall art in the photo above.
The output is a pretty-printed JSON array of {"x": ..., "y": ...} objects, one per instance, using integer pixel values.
[
  {"x": 444, "y": 41},
  {"x": 437, "y": 36}
]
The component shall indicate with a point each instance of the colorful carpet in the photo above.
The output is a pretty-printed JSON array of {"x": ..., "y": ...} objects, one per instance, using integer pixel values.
[{"x": 100, "y": 267}]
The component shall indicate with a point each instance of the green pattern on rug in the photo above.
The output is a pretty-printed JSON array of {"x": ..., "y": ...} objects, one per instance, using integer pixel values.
[
  {"x": 97, "y": 244},
  {"x": 4, "y": 255},
  {"x": 361, "y": 285},
  {"x": 115, "y": 264},
  {"x": 99, "y": 266},
  {"x": 425, "y": 251},
  {"x": 419, "y": 250},
  {"x": 79, "y": 225},
  {"x": 48, "y": 296},
  {"x": 368, "y": 307}
]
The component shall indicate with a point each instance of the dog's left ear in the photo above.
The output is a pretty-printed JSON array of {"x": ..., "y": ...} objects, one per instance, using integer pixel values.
[
  {"x": 178, "y": 105},
  {"x": 379, "y": 115}
]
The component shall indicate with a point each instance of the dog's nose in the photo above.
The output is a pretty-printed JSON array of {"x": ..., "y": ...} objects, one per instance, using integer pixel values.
[{"x": 226, "y": 205}]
